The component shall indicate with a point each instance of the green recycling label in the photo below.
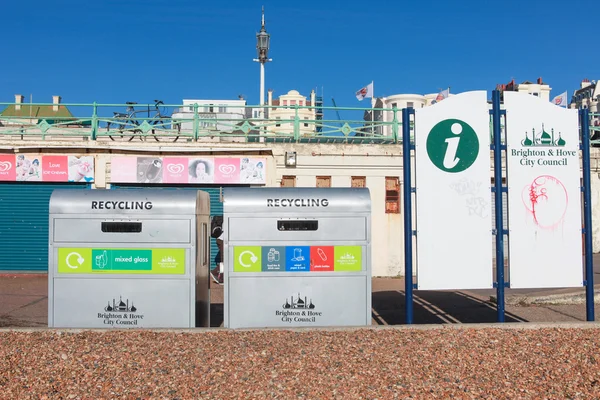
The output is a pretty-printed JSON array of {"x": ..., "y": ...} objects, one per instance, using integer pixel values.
[
  {"x": 121, "y": 261},
  {"x": 247, "y": 259}
]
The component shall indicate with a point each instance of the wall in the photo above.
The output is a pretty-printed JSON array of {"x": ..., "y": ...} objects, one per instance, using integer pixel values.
[{"x": 341, "y": 162}]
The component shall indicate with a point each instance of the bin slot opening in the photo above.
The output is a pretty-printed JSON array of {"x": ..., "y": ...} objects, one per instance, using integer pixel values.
[
  {"x": 297, "y": 225},
  {"x": 121, "y": 227}
]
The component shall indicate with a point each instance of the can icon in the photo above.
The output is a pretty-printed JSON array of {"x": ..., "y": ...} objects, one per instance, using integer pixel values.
[{"x": 273, "y": 255}]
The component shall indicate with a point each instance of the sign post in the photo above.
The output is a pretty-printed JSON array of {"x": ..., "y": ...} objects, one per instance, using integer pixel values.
[{"x": 584, "y": 122}]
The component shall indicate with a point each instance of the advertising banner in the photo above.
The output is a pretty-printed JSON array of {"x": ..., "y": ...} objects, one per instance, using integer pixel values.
[
  {"x": 544, "y": 194},
  {"x": 46, "y": 168},
  {"x": 189, "y": 170},
  {"x": 453, "y": 194}
]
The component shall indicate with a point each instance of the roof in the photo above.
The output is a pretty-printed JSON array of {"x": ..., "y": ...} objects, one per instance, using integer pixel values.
[
  {"x": 539, "y": 82},
  {"x": 36, "y": 111},
  {"x": 591, "y": 87}
]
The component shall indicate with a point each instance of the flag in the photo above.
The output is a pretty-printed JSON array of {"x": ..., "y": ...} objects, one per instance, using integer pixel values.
[
  {"x": 560, "y": 100},
  {"x": 442, "y": 95},
  {"x": 367, "y": 91}
]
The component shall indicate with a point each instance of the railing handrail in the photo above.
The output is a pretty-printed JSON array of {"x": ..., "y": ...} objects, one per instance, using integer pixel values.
[{"x": 195, "y": 122}]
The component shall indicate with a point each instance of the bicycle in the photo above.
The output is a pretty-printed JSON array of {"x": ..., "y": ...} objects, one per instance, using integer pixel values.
[{"x": 131, "y": 122}]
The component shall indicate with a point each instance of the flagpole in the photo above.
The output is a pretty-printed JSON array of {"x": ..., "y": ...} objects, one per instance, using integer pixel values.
[{"x": 372, "y": 108}]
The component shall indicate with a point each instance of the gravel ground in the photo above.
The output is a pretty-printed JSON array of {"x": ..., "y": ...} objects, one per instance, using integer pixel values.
[{"x": 403, "y": 363}]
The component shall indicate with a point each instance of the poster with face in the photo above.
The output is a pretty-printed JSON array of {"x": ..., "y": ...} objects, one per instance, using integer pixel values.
[
  {"x": 149, "y": 170},
  {"x": 252, "y": 170},
  {"x": 201, "y": 170},
  {"x": 81, "y": 169},
  {"x": 28, "y": 168}
]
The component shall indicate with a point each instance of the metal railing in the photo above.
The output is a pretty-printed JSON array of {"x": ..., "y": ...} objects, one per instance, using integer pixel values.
[{"x": 192, "y": 123}]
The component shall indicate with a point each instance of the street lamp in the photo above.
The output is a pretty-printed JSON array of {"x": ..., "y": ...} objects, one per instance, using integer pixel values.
[{"x": 262, "y": 50}]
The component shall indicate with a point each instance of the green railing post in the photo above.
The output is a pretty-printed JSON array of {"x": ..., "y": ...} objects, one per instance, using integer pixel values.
[
  {"x": 296, "y": 124},
  {"x": 196, "y": 123},
  {"x": 395, "y": 125},
  {"x": 94, "y": 121}
]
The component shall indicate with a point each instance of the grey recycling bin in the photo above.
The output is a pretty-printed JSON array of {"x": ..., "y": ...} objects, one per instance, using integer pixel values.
[
  {"x": 297, "y": 257},
  {"x": 129, "y": 259}
]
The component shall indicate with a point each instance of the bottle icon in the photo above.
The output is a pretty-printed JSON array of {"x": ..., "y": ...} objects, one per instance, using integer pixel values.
[
  {"x": 322, "y": 254},
  {"x": 102, "y": 260}
]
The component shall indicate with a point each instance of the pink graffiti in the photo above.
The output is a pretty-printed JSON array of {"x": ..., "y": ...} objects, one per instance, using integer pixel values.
[{"x": 547, "y": 200}]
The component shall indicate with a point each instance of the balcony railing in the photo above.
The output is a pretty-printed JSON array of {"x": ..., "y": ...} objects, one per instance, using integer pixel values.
[
  {"x": 292, "y": 124},
  {"x": 282, "y": 124}
]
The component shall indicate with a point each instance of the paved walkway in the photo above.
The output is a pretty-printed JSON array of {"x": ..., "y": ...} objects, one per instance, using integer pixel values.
[{"x": 24, "y": 303}]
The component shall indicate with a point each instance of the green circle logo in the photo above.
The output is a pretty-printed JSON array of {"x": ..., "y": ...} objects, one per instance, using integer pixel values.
[{"x": 452, "y": 145}]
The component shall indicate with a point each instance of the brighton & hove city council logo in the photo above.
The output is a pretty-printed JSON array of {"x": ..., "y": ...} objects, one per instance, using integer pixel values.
[
  {"x": 452, "y": 145},
  {"x": 543, "y": 139}
]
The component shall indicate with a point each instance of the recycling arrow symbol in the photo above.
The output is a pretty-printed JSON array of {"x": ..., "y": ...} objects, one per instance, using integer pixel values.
[{"x": 253, "y": 258}]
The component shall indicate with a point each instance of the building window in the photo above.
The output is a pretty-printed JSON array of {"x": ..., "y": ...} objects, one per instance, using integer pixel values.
[
  {"x": 222, "y": 109},
  {"x": 359, "y": 181},
  {"x": 306, "y": 123},
  {"x": 392, "y": 195},
  {"x": 292, "y": 102},
  {"x": 288, "y": 181},
  {"x": 277, "y": 124},
  {"x": 300, "y": 103},
  {"x": 191, "y": 108},
  {"x": 394, "y": 105},
  {"x": 323, "y": 181},
  {"x": 410, "y": 104}
]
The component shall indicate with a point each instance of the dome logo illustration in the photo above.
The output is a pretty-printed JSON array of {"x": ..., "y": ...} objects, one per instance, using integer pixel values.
[{"x": 452, "y": 145}]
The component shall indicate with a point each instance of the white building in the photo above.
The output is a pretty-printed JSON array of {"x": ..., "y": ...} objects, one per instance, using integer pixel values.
[
  {"x": 539, "y": 89},
  {"x": 215, "y": 115},
  {"x": 587, "y": 96},
  {"x": 400, "y": 101},
  {"x": 284, "y": 109}
]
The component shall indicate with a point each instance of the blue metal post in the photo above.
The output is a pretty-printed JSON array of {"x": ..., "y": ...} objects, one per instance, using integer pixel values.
[
  {"x": 584, "y": 121},
  {"x": 408, "y": 232},
  {"x": 498, "y": 197}
]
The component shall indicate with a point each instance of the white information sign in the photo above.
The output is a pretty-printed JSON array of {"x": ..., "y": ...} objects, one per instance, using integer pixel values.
[
  {"x": 544, "y": 194},
  {"x": 453, "y": 197}
]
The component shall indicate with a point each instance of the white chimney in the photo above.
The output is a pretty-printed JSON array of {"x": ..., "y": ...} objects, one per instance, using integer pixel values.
[
  {"x": 270, "y": 97},
  {"x": 18, "y": 101},
  {"x": 55, "y": 102},
  {"x": 585, "y": 83},
  {"x": 312, "y": 98}
]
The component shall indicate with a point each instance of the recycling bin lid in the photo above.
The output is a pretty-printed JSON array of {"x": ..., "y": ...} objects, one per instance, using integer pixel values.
[
  {"x": 294, "y": 200},
  {"x": 117, "y": 201}
]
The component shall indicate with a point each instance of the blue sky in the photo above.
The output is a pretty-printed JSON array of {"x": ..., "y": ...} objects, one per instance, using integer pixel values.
[{"x": 139, "y": 50}]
